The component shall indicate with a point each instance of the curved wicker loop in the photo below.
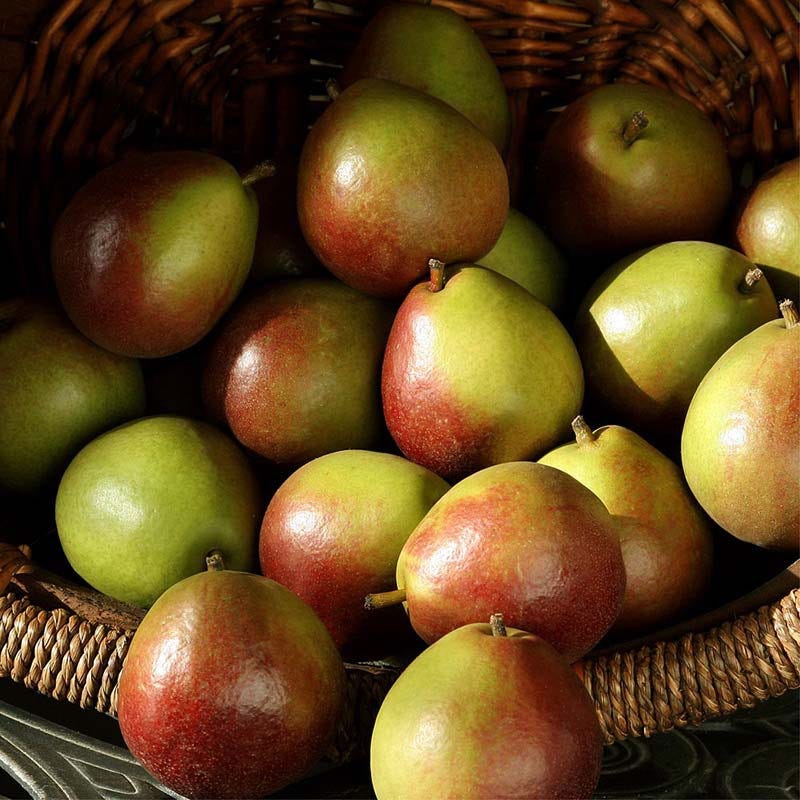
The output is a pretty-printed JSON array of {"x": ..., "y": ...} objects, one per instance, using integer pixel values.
[
  {"x": 673, "y": 684},
  {"x": 637, "y": 693}
]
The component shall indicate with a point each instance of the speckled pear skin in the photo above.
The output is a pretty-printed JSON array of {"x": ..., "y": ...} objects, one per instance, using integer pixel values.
[
  {"x": 654, "y": 324},
  {"x": 599, "y": 196},
  {"x": 434, "y": 50},
  {"x": 481, "y": 717},
  {"x": 767, "y": 229},
  {"x": 521, "y": 537},
  {"x": 390, "y": 178},
  {"x": 232, "y": 687},
  {"x": 295, "y": 370},
  {"x": 140, "y": 507},
  {"x": 477, "y": 374},
  {"x": 667, "y": 543},
  {"x": 151, "y": 252},
  {"x": 740, "y": 442},
  {"x": 526, "y": 255},
  {"x": 333, "y": 533},
  {"x": 57, "y": 391}
]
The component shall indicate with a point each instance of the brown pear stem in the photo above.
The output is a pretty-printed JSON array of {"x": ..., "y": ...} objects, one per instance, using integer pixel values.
[
  {"x": 266, "y": 169},
  {"x": 583, "y": 433},
  {"x": 634, "y": 127},
  {"x": 751, "y": 278},
  {"x": 332, "y": 88},
  {"x": 384, "y": 599},
  {"x": 497, "y": 625},
  {"x": 437, "y": 275},
  {"x": 789, "y": 313},
  {"x": 215, "y": 561}
]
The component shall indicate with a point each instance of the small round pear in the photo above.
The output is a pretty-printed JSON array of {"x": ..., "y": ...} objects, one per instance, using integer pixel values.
[
  {"x": 739, "y": 447},
  {"x": 477, "y": 372},
  {"x": 152, "y": 251},
  {"x": 140, "y": 507},
  {"x": 231, "y": 688},
  {"x": 486, "y": 712},
  {"x": 667, "y": 543},
  {"x": 334, "y": 530},
  {"x": 525, "y": 254},
  {"x": 654, "y": 324}
]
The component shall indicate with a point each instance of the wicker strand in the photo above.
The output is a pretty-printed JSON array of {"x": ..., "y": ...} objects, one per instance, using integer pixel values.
[{"x": 681, "y": 683}]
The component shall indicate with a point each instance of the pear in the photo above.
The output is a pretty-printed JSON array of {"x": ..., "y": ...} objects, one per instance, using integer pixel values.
[
  {"x": 655, "y": 323},
  {"x": 523, "y": 537},
  {"x": 477, "y": 372},
  {"x": 740, "y": 447},
  {"x": 390, "y": 177},
  {"x": 434, "y": 50},
  {"x": 768, "y": 228},
  {"x": 152, "y": 251},
  {"x": 487, "y": 712},
  {"x": 334, "y": 530},
  {"x": 525, "y": 254},
  {"x": 667, "y": 543}
]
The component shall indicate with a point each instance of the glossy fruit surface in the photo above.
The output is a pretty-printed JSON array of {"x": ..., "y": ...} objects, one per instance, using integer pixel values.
[
  {"x": 483, "y": 717},
  {"x": 140, "y": 507},
  {"x": 150, "y": 253},
  {"x": 333, "y": 532},
  {"x": 232, "y": 687},
  {"x": 295, "y": 370},
  {"x": 57, "y": 391},
  {"x": 390, "y": 178}
]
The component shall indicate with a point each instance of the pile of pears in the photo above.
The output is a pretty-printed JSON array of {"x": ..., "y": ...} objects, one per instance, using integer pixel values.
[{"x": 333, "y": 406}]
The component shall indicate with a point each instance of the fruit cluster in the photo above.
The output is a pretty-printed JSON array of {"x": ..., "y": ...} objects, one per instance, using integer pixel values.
[{"x": 438, "y": 336}]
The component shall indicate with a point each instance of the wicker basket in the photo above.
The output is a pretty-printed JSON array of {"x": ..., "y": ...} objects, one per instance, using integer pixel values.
[{"x": 83, "y": 81}]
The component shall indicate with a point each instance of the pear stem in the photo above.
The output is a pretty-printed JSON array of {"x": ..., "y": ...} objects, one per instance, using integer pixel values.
[
  {"x": 634, "y": 127},
  {"x": 437, "y": 275},
  {"x": 332, "y": 88},
  {"x": 751, "y": 278},
  {"x": 789, "y": 313},
  {"x": 265, "y": 169},
  {"x": 497, "y": 625},
  {"x": 214, "y": 561},
  {"x": 384, "y": 599},
  {"x": 583, "y": 433}
]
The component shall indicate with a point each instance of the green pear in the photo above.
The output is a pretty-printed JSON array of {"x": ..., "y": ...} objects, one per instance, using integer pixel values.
[
  {"x": 333, "y": 533},
  {"x": 667, "y": 543},
  {"x": 654, "y": 324},
  {"x": 58, "y": 390},
  {"x": 740, "y": 441},
  {"x": 477, "y": 373},
  {"x": 140, "y": 508},
  {"x": 525, "y": 254},
  {"x": 486, "y": 712},
  {"x": 434, "y": 50}
]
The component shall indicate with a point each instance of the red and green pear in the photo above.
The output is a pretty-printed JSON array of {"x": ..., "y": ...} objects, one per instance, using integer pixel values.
[
  {"x": 523, "y": 537},
  {"x": 477, "y": 373},
  {"x": 630, "y": 165},
  {"x": 525, "y": 254},
  {"x": 295, "y": 370},
  {"x": 152, "y": 251},
  {"x": 667, "y": 543},
  {"x": 333, "y": 533},
  {"x": 140, "y": 507},
  {"x": 486, "y": 712},
  {"x": 653, "y": 325},
  {"x": 768, "y": 228},
  {"x": 390, "y": 177},
  {"x": 740, "y": 442},
  {"x": 232, "y": 687},
  {"x": 58, "y": 391},
  {"x": 434, "y": 50}
]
